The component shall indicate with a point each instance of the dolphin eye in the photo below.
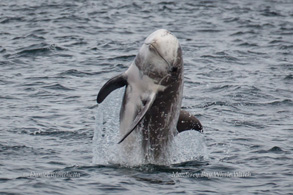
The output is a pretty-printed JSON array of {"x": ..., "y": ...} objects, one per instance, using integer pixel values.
[{"x": 174, "y": 69}]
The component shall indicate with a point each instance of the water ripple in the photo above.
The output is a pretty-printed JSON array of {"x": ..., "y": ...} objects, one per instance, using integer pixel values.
[{"x": 56, "y": 55}]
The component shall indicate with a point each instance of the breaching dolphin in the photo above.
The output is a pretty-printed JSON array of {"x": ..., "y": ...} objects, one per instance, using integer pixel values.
[{"x": 151, "y": 106}]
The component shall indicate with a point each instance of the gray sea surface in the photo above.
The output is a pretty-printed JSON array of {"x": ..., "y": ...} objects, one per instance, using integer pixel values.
[{"x": 55, "y": 55}]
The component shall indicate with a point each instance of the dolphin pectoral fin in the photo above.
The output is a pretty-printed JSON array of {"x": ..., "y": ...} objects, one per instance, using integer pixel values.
[
  {"x": 114, "y": 83},
  {"x": 140, "y": 115},
  {"x": 187, "y": 121}
]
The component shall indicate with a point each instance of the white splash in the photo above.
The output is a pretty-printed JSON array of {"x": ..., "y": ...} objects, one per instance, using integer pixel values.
[
  {"x": 187, "y": 146},
  {"x": 106, "y": 133}
]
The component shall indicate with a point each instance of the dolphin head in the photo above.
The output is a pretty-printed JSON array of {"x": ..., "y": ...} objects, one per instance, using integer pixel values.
[{"x": 160, "y": 55}]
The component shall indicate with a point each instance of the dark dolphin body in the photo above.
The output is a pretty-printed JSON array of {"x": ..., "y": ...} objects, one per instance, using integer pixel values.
[{"x": 151, "y": 104}]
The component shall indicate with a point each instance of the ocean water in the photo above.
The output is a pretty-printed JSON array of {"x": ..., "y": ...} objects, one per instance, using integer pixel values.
[{"x": 55, "y": 55}]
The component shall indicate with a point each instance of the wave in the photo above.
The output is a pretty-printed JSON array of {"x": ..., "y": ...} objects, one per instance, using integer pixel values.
[
  {"x": 38, "y": 50},
  {"x": 57, "y": 87}
]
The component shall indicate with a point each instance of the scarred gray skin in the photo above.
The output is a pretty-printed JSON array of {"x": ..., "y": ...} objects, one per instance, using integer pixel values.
[{"x": 159, "y": 124}]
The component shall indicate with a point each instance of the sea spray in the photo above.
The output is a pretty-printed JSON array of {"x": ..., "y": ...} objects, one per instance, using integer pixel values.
[{"x": 186, "y": 146}]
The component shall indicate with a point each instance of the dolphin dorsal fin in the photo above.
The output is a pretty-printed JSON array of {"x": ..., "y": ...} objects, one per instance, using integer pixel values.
[{"x": 114, "y": 83}]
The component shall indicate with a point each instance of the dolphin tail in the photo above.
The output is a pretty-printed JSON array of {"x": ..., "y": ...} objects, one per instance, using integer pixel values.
[
  {"x": 187, "y": 121},
  {"x": 114, "y": 83}
]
